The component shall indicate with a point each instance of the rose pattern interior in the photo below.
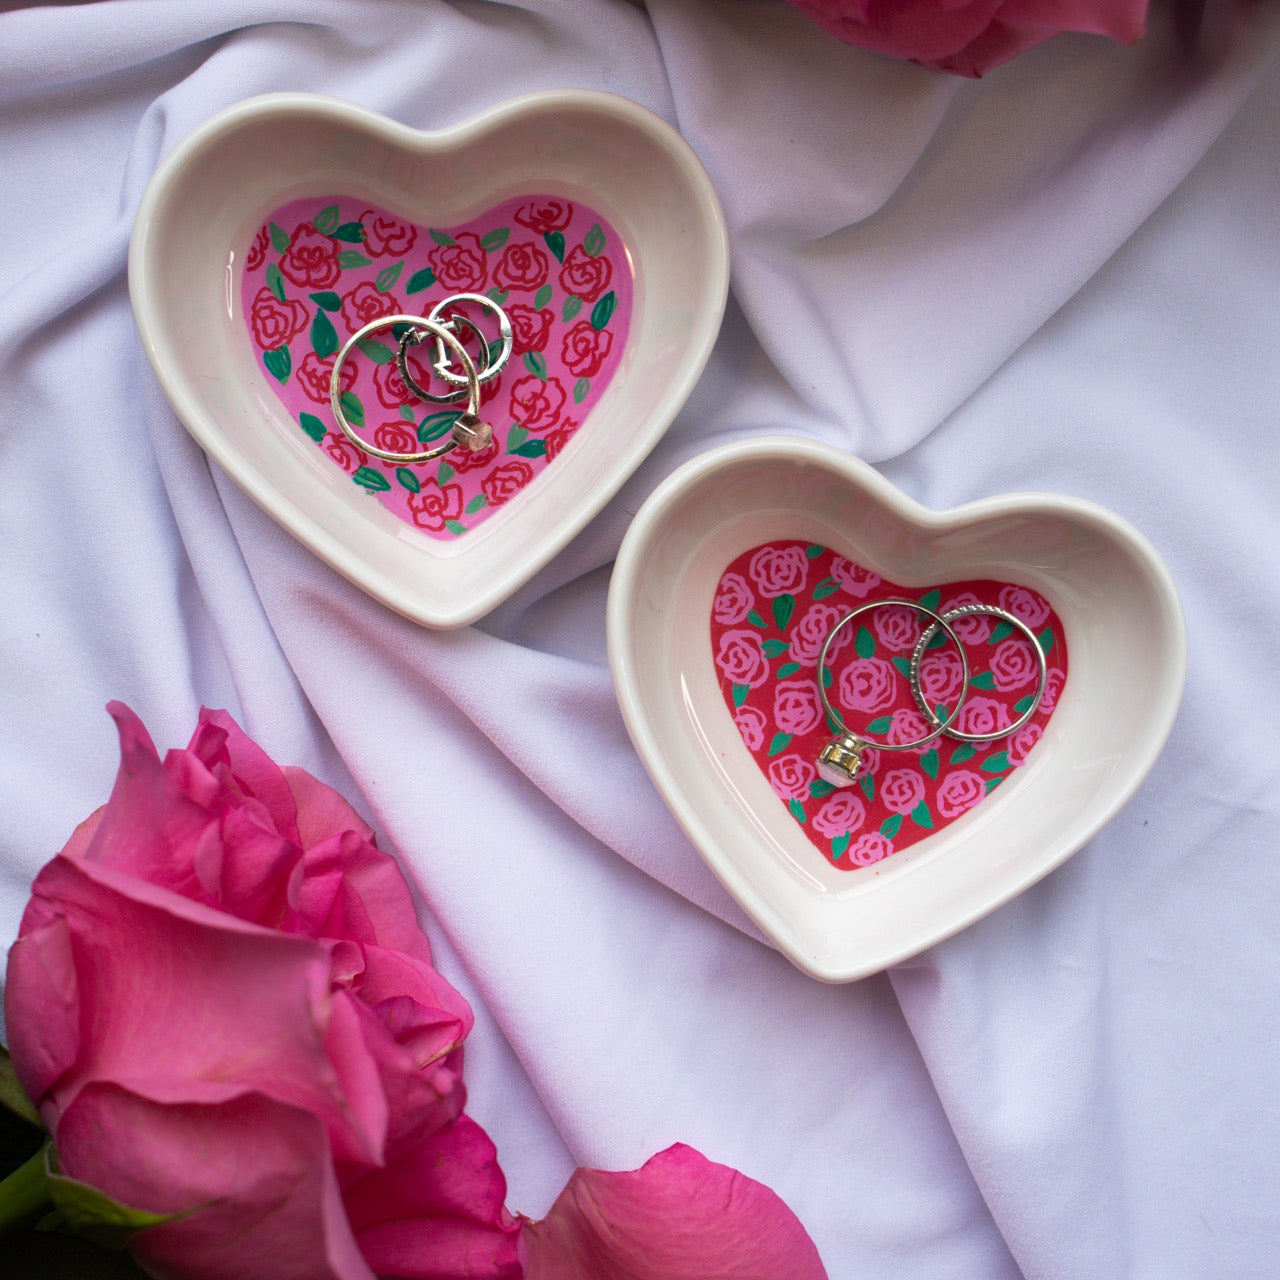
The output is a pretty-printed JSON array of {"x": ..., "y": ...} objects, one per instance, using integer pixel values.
[
  {"x": 775, "y": 606},
  {"x": 320, "y": 268}
]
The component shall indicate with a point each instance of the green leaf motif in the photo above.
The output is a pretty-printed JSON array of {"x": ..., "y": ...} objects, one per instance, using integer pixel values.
[
  {"x": 864, "y": 644},
  {"x": 455, "y": 526},
  {"x": 882, "y": 724},
  {"x": 593, "y": 241},
  {"x": 279, "y": 363},
  {"x": 820, "y": 788},
  {"x": 536, "y": 363},
  {"x": 781, "y": 741},
  {"x": 998, "y": 763},
  {"x": 445, "y": 474},
  {"x": 903, "y": 666},
  {"x": 839, "y": 845},
  {"x": 275, "y": 281},
  {"x": 603, "y": 311},
  {"x": 921, "y": 816},
  {"x": 516, "y": 437},
  {"x": 499, "y": 296},
  {"x": 437, "y": 425},
  {"x": 929, "y": 762},
  {"x": 783, "y": 607},
  {"x": 774, "y": 647},
  {"x": 990, "y": 785},
  {"x": 408, "y": 480},
  {"x": 542, "y": 297},
  {"x": 353, "y": 258},
  {"x": 279, "y": 237},
  {"x": 379, "y": 353},
  {"x": 420, "y": 280},
  {"x": 1023, "y": 705},
  {"x": 475, "y": 504},
  {"x": 813, "y": 551},
  {"x": 350, "y": 233},
  {"x": 387, "y": 277},
  {"x": 406, "y": 413},
  {"x": 788, "y": 669},
  {"x": 326, "y": 220},
  {"x": 891, "y": 826},
  {"x": 328, "y": 300},
  {"x": 740, "y": 692},
  {"x": 324, "y": 338},
  {"x": 531, "y": 449},
  {"x": 442, "y": 237},
  {"x": 868, "y": 784},
  {"x": 555, "y": 242},
  {"x": 930, "y": 599},
  {"x": 797, "y": 810},
  {"x": 965, "y": 751},
  {"x": 353, "y": 407},
  {"x": 983, "y": 680},
  {"x": 572, "y": 305},
  {"x": 495, "y": 239},
  {"x": 755, "y": 619},
  {"x": 1001, "y": 630},
  {"x": 827, "y": 680},
  {"x": 313, "y": 426},
  {"x": 1046, "y": 639},
  {"x": 580, "y": 390},
  {"x": 372, "y": 479},
  {"x": 827, "y": 587}
]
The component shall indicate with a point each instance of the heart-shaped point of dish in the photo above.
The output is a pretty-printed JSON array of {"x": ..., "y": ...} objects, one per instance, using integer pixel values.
[
  {"x": 238, "y": 328},
  {"x": 1106, "y": 722}
]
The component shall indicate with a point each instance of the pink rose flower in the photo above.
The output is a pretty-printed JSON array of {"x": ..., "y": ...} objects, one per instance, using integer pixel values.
[
  {"x": 461, "y": 267},
  {"x": 960, "y": 790},
  {"x": 311, "y": 260},
  {"x": 275, "y": 323},
  {"x": 908, "y": 725},
  {"x": 740, "y": 657},
  {"x": 796, "y": 707},
  {"x": 585, "y": 349},
  {"x": 1054, "y": 681},
  {"x": 1014, "y": 663},
  {"x": 972, "y": 628},
  {"x": 751, "y": 725},
  {"x": 1021, "y": 742},
  {"x": 810, "y": 633},
  {"x": 734, "y": 600},
  {"x": 901, "y": 790},
  {"x": 867, "y": 684},
  {"x": 982, "y": 715},
  {"x": 941, "y": 676},
  {"x": 969, "y": 37},
  {"x": 869, "y": 847},
  {"x": 897, "y": 628},
  {"x": 843, "y": 812},
  {"x": 853, "y": 578},
  {"x": 779, "y": 570},
  {"x": 791, "y": 776},
  {"x": 1028, "y": 606}
]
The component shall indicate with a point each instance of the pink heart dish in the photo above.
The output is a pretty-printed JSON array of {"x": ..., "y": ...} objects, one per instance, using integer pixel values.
[
  {"x": 727, "y": 586},
  {"x": 281, "y": 228}
]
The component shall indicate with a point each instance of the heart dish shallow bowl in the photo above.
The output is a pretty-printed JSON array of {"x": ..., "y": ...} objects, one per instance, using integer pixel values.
[
  {"x": 1120, "y": 623},
  {"x": 211, "y": 217}
]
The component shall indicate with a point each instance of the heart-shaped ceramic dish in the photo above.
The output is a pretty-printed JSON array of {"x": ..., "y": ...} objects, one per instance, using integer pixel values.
[
  {"x": 194, "y": 241},
  {"x": 1120, "y": 620}
]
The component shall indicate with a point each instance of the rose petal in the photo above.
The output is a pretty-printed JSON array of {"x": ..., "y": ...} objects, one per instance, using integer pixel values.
[
  {"x": 255, "y": 771},
  {"x": 680, "y": 1217},
  {"x": 322, "y": 812},
  {"x": 42, "y": 997}
]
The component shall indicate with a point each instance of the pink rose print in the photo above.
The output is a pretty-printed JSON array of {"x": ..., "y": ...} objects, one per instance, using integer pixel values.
[
  {"x": 972, "y": 628},
  {"x": 365, "y": 303},
  {"x": 751, "y": 725},
  {"x": 432, "y": 506},
  {"x": 384, "y": 234},
  {"x": 734, "y": 599},
  {"x": 275, "y": 323},
  {"x": 530, "y": 328},
  {"x": 843, "y": 812},
  {"x": 1021, "y": 742},
  {"x": 545, "y": 215},
  {"x": 796, "y": 708},
  {"x": 584, "y": 275},
  {"x": 908, "y": 725},
  {"x": 779, "y": 570},
  {"x": 741, "y": 659},
  {"x": 1014, "y": 663},
  {"x": 474, "y": 460},
  {"x": 344, "y": 453},
  {"x": 791, "y": 775},
  {"x": 1052, "y": 688},
  {"x": 257, "y": 254},
  {"x": 504, "y": 482},
  {"x": 901, "y": 790},
  {"x": 311, "y": 260},
  {"x": 869, "y": 847},
  {"x": 982, "y": 715},
  {"x": 867, "y": 684},
  {"x": 810, "y": 634},
  {"x": 537, "y": 404},
  {"x": 853, "y": 578},
  {"x": 314, "y": 374},
  {"x": 585, "y": 349},
  {"x": 896, "y": 628},
  {"x": 522, "y": 266},
  {"x": 1024, "y": 604},
  {"x": 959, "y": 791},
  {"x": 557, "y": 439},
  {"x": 396, "y": 437},
  {"x": 941, "y": 676},
  {"x": 461, "y": 266},
  {"x": 389, "y": 385}
]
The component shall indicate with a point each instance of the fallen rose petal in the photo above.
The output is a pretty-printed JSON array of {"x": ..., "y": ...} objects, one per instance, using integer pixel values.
[{"x": 679, "y": 1217}]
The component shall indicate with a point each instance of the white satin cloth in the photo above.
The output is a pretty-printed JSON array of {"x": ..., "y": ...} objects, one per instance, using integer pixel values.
[{"x": 1063, "y": 277}]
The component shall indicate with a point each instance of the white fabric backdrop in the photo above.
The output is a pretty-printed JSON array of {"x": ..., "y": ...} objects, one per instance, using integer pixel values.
[{"x": 1063, "y": 277}]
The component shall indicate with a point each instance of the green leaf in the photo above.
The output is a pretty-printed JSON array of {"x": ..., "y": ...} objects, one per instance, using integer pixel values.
[
  {"x": 593, "y": 241},
  {"x": 536, "y": 363},
  {"x": 352, "y": 407},
  {"x": 868, "y": 784},
  {"x": 279, "y": 237},
  {"x": 324, "y": 338},
  {"x": 864, "y": 644},
  {"x": 740, "y": 692},
  {"x": 499, "y": 296},
  {"x": 90, "y": 1213},
  {"x": 780, "y": 742},
  {"x": 998, "y": 763},
  {"x": 279, "y": 363},
  {"x": 475, "y": 504},
  {"x": 930, "y": 599},
  {"x": 813, "y": 550},
  {"x": 372, "y": 479},
  {"x": 326, "y": 220},
  {"x": 379, "y": 353},
  {"x": 555, "y": 242},
  {"x": 313, "y": 426},
  {"x": 882, "y": 724},
  {"x": 783, "y": 607},
  {"x": 602, "y": 312},
  {"x": 387, "y": 277},
  {"x": 827, "y": 587},
  {"x": 903, "y": 666},
  {"x": 495, "y": 239},
  {"x": 516, "y": 437},
  {"x": 445, "y": 473},
  {"x": 275, "y": 281},
  {"x": 406, "y": 413},
  {"x": 351, "y": 258},
  {"x": 921, "y": 816},
  {"x": 839, "y": 845},
  {"x": 929, "y": 762},
  {"x": 542, "y": 297},
  {"x": 531, "y": 449},
  {"x": 572, "y": 305},
  {"x": 891, "y": 826},
  {"x": 820, "y": 787},
  {"x": 408, "y": 480},
  {"x": 442, "y": 237},
  {"x": 1046, "y": 639},
  {"x": 437, "y": 425},
  {"x": 983, "y": 680},
  {"x": 965, "y": 751},
  {"x": 827, "y": 680},
  {"x": 788, "y": 669},
  {"x": 12, "y": 1095},
  {"x": 580, "y": 389},
  {"x": 1000, "y": 631},
  {"x": 797, "y": 810},
  {"x": 420, "y": 280},
  {"x": 755, "y": 619},
  {"x": 328, "y": 300},
  {"x": 990, "y": 785},
  {"x": 1023, "y": 705},
  {"x": 774, "y": 647},
  {"x": 455, "y": 526},
  {"x": 350, "y": 233}
]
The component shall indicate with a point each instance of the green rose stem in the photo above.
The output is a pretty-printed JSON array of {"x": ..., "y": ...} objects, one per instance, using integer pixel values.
[{"x": 24, "y": 1195}]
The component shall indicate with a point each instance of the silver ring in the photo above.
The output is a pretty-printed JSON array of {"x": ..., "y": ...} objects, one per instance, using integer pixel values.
[
  {"x": 917, "y": 657},
  {"x": 412, "y": 337},
  {"x": 840, "y": 761},
  {"x": 505, "y": 334},
  {"x": 468, "y": 430}
]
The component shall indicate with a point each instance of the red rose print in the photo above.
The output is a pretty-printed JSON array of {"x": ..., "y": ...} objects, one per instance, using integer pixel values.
[
  {"x": 901, "y": 790},
  {"x": 811, "y": 632},
  {"x": 275, "y": 323},
  {"x": 1021, "y": 742},
  {"x": 751, "y": 724},
  {"x": 585, "y": 349},
  {"x": 741, "y": 659},
  {"x": 504, "y": 482},
  {"x": 365, "y": 303},
  {"x": 869, "y": 847},
  {"x": 842, "y": 813},
  {"x": 941, "y": 676},
  {"x": 396, "y": 437},
  {"x": 867, "y": 684},
  {"x": 584, "y": 275},
  {"x": 432, "y": 505},
  {"x": 796, "y": 708},
  {"x": 257, "y": 254},
  {"x": 314, "y": 374},
  {"x": 1014, "y": 663},
  {"x": 982, "y": 715},
  {"x": 344, "y": 453},
  {"x": 530, "y": 328},
  {"x": 557, "y": 439},
  {"x": 389, "y": 385},
  {"x": 1024, "y": 604},
  {"x": 464, "y": 459},
  {"x": 959, "y": 791},
  {"x": 537, "y": 404},
  {"x": 522, "y": 266},
  {"x": 779, "y": 570},
  {"x": 545, "y": 215},
  {"x": 896, "y": 628},
  {"x": 384, "y": 234},
  {"x": 972, "y": 628},
  {"x": 311, "y": 260},
  {"x": 791, "y": 775},
  {"x": 734, "y": 599},
  {"x": 461, "y": 267},
  {"x": 853, "y": 578}
]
